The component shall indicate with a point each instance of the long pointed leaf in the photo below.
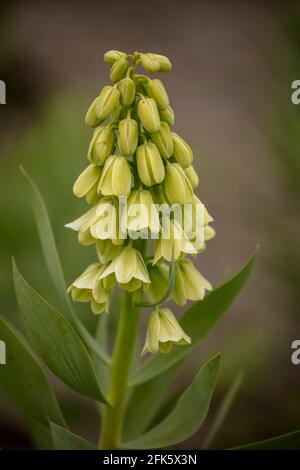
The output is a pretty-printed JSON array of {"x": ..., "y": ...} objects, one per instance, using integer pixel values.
[
  {"x": 54, "y": 267},
  {"x": 56, "y": 340},
  {"x": 24, "y": 380},
  {"x": 197, "y": 322},
  {"x": 145, "y": 401},
  {"x": 290, "y": 441},
  {"x": 188, "y": 414},
  {"x": 224, "y": 409},
  {"x": 66, "y": 440}
]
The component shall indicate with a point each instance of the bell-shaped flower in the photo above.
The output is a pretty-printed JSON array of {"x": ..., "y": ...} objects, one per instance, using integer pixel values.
[
  {"x": 176, "y": 186},
  {"x": 172, "y": 242},
  {"x": 129, "y": 269},
  {"x": 89, "y": 287},
  {"x": 141, "y": 212},
  {"x": 163, "y": 331},
  {"x": 189, "y": 283},
  {"x": 116, "y": 177}
]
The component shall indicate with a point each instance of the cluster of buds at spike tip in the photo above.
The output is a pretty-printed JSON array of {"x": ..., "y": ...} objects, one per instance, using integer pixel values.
[{"x": 140, "y": 181}]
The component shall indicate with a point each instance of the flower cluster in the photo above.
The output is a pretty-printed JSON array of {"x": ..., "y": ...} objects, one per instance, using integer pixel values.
[{"x": 138, "y": 165}]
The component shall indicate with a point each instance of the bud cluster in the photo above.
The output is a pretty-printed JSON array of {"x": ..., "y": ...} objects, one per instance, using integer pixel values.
[{"x": 134, "y": 154}]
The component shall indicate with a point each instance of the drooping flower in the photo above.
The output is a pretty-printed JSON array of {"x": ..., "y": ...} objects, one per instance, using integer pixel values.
[
  {"x": 172, "y": 243},
  {"x": 163, "y": 331},
  {"x": 141, "y": 212},
  {"x": 189, "y": 283},
  {"x": 89, "y": 287}
]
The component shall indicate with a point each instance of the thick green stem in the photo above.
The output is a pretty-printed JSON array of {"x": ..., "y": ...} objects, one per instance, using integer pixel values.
[{"x": 111, "y": 430}]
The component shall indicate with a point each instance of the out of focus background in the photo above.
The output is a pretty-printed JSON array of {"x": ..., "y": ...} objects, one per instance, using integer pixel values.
[{"x": 230, "y": 87}]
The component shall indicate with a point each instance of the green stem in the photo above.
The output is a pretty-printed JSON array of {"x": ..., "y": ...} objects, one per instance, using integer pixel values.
[{"x": 111, "y": 430}]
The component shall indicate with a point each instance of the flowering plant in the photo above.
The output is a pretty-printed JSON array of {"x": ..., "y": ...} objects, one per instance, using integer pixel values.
[{"x": 146, "y": 224}]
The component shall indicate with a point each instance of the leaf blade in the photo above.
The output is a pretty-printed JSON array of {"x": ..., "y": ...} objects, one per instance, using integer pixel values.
[
  {"x": 24, "y": 380},
  {"x": 63, "y": 439},
  {"x": 197, "y": 322},
  {"x": 289, "y": 441},
  {"x": 55, "y": 340},
  {"x": 187, "y": 415}
]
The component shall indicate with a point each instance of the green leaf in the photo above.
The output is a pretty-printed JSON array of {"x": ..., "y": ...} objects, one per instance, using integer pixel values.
[
  {"x": 55, "y": 340},
  {"x": 196, "y": 322},
  {"x": 24, "y": 380},
  {"x": 145, "y": 401},
  {"x": 224, "y": 409},
  {"x": 290, "y": 441},
  {"x": 66, "y": 440},
  {"x": 40, "y": 434},
  {"x": 187, "y": 415},
  {"x": 54, "y": 265}
]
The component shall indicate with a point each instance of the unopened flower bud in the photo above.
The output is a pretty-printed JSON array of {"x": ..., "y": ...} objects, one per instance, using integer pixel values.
[
  {"x": 167, "y": 115},
  {"x": 176, "y": 186},
  {"x": 157, "y": 91},
  {"x": 159, "y": 277},
  {"x": 91, "y": 118},
  {"x": 163, "y": 140},
  {"x": 155, "y": 62},
  {"x": 163, "y": 331},
  {"x": 149, "y": 163},
  {"x": 148, "y": 114},
  {"x": 116, "y": 177},
  {"x": 118, "y": 70},
  {"x": 107, "y": 101},
  {"x": 128, "y": 136},
  {"x": 192, "y": 176},
  {"x": 127, "y": 90},
  {"x": 111, "y": 56},
  {"x": 182, "y": 151},
  {"x": 101, "y": 146},
  {"x": 86, "y": 180}
]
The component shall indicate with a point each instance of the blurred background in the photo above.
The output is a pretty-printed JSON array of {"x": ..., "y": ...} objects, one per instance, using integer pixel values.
[{"x": 230, "y": 87}]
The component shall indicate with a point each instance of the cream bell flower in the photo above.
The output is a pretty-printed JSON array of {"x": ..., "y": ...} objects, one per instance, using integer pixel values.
[
  {"x": 159, "y": 277},
  {"x": 163, "y": 331},
  {"x": 89, "y": 287},
  {"x": 172, "y": 242},
  {"x": 141, "y": 212},
  {"x": 189, "y": 283},
  {"x": 129, "y": 269}
]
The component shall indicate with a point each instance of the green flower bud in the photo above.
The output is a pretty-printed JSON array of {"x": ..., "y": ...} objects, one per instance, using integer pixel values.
[
  {"x": 189, "y": 283},
  {"x": 157, "y": 91},
  {"x": 127, "y": 90},
  {"x": 158, "y": 195},
  {"x": 101, "y": 145},
  {"x": 116, "y": 177},
  {"x": 177, "y": 188},
  {"x": 163, "y": 331},
  {"x": 155, "y": 62},
  {"x": 118, "y": 70},
  {"x": 91, "y": 118},
  {"x": 167, "y": 115},
  {"x": 87, "y": 180},
  {"x": 128, "y": 136},
  {"x": 148, "y": 114},
  {"x": 112, "y": 56},
  {"x": 182, "y": 151},
  {"x": 192, "y": 176},
  {"x": 107, "y": 101},
  {"x": 149, "y": 164},
  {"x": 163, "y": 140},
  {"x": 107, "y": 251},
  {"x": 159, "y": 277}
]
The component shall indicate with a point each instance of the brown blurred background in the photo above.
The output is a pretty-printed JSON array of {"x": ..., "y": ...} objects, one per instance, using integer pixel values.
[{"x": 233, "y": 64}]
